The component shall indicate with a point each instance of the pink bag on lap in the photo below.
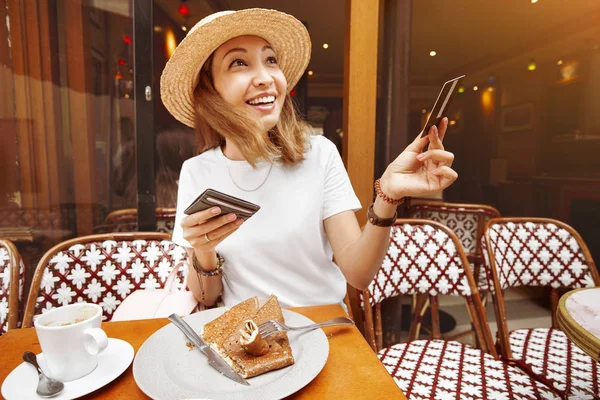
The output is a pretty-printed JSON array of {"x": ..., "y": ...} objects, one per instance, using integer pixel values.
[{"x": 160, "y": 303}]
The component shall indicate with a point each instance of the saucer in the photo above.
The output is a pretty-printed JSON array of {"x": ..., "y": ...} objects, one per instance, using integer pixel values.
[{"x": 112, "y": 362}]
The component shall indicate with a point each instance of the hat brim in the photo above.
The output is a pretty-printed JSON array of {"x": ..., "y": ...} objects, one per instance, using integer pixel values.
[{"x": 285, "y": 34}]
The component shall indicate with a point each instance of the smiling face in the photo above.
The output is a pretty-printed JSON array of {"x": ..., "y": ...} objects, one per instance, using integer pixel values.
[{"x": 246, "y": 74}]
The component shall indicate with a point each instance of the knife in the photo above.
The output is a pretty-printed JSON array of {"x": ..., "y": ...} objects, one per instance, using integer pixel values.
[{"x": 214, "y": 359}]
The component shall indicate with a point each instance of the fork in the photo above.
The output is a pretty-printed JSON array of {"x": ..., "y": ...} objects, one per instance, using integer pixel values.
[{"x": 271, "y": 326}]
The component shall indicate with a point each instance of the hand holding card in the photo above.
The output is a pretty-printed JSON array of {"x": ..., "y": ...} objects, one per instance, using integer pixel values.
[{"x": 212, "y": 217}]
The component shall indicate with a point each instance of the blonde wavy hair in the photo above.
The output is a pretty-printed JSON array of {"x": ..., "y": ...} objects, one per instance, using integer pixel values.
[{"x": 217, "y": 120}]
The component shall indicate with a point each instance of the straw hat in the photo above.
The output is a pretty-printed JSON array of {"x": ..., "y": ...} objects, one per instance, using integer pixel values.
[{"x": 287, "y": 36}]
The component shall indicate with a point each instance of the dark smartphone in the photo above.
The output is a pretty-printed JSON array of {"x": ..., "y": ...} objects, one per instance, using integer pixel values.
[
  {"x": 228, "y": 204},
  {"x": 442, "y": 104}
]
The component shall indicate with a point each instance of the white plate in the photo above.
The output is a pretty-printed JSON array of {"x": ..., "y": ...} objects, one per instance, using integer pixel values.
[
  {"x": 113, "y": 361},
  {"x": 165, "y": 368}
]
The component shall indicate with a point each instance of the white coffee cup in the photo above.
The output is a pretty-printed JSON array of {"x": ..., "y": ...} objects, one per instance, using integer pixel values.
[{"x": 71, "y": 339}]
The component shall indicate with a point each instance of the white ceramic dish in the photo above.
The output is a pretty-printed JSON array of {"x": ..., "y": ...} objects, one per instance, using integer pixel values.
[
  {"x": 21, "y": 383},
  {"x": 165, "y": 368}
]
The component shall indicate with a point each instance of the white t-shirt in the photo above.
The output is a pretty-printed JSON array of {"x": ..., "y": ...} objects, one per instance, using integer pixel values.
[{"x": 282, "y": 249}]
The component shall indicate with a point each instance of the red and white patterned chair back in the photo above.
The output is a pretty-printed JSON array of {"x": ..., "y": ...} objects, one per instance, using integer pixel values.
[
  {"x": 12, "y": 283},
  {"x": 423, "y": 257},
  {"x": 467, "y": 221},
  {"x": 103, "y": 269},
  {"x": 538, "y": 252}
]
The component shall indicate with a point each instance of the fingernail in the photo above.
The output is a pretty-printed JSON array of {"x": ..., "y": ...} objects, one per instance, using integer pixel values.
[
  {"x": 215, "y": 210},
  {"x": 239, "y": 221},
  {"x": 231, "y": 217}
]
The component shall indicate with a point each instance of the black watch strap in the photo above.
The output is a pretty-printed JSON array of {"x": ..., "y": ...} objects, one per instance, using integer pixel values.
[{"x": 377, "y": 221}]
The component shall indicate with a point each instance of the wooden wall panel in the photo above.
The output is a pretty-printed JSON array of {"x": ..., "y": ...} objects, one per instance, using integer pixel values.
[
  {"x": 48, "y": 53},
  {"x": 35, "y": 97},
  {"x": 360, "y": 100},
  {"x": 36, "y": 101},
  {"x": 360, "y": 97},
  {"x": 9, "y": 176},
  {"x": 80, "y": 113},
  {"x": 24, "y": 123}
]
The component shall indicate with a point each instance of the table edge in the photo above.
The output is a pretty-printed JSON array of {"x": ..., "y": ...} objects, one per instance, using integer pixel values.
[{"x": 573, "y": 329}]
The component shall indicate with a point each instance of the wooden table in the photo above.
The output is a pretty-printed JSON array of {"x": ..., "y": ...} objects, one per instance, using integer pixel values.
[
  {"x": 352, "y": 369},
  {"x": 585, "y": 340}
]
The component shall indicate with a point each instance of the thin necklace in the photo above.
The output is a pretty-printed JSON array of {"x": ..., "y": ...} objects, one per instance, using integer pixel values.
[{"x": 241, "y": 188}]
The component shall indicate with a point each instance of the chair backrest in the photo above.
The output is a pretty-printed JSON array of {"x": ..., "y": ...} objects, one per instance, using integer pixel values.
[
  {"x": 12, "y": 283},
  {"x": 423, "y": 257},
  {"x": 467, "y": 221},
  {"x": 103, "y": 269},
  {"x": 125, "y": 220},
  {"x": 534, "y": 252},
  {"x": 165, "y": 219},
  {"x": 538, "y": 252}
]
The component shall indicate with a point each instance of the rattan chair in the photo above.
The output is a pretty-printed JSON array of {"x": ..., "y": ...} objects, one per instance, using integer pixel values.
[
  {"x": 467, "y": 221},
  {"x": 425, "y": 257},
  {"x": 548, "y": 253},
  {"x": 125, "y": 220},
  {"x": 103, "y": 269},
  {"x": 12, "y": 283}
]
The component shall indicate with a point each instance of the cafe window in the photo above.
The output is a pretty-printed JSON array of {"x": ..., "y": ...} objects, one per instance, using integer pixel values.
[{"x": 68, "y": 121}]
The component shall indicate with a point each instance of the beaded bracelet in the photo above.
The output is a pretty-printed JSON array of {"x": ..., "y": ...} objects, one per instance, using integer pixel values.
[
  {"x": 214, "y": 272},
  {"x": 384, "y": 197}
]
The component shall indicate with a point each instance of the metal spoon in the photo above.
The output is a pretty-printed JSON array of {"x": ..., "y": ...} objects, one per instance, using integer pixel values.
[{"x": 47, "y": 387}]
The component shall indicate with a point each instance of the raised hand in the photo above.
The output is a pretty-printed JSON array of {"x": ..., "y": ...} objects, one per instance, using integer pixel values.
[
  {"x": 418, "y": 173},
  {"x": 204, "y": 233}
]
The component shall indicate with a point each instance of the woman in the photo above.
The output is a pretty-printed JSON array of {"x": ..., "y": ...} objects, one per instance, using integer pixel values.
[{"x": 230, "y": 78}]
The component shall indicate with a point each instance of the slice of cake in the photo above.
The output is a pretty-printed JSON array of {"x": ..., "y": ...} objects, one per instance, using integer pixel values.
[
  {"x": 215, "y": 332},
  {"x": 235, "y": 336}
]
